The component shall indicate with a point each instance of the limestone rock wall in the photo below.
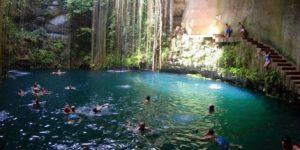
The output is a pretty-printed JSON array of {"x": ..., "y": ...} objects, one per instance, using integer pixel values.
[{"x": 275, "y": 22}]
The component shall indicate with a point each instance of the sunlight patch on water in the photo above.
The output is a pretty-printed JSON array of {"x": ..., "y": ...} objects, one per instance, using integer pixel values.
[
  {"x": 215, "y": 86},
  {"x": 4, "y": 115},
  {"x": 184, "y": 118},
  {"x": 117, "y": 71},
  {"x": 126, "y": 86}
]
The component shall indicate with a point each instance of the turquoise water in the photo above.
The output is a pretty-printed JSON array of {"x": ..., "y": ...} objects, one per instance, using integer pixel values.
[{"x": 177, "y": 114}]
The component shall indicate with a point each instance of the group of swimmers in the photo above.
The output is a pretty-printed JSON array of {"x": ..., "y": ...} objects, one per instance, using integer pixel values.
[
  {"x": 72, "y": 117},
  {"x": 38, "y": 92}
]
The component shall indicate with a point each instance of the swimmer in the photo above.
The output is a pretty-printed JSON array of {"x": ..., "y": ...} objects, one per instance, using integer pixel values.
[
  {"x": 67, "y": 109},
  {"x": 99, "y": 108},
  {"x": 21, "y": 92},
  {"x": 73, "y": 118},
  {"x": 37, "y": 104},
  {"x": 85, "y": 147},
  {"x": 147, "y": 100},
  {"x": 58, "y": 72},
  {"x": 36, "y": 86},
  {"x": 44, "y": 91},
  {"x": 210, "y": 135},
  {"x": 73, "y": 109},
  {"x": 287, "y": 144},
  {"x": 70, "y": 87},
  {"x": 211, "y": 109},
  {"x": 38, "y": 93},
  {"x": 141, "y": 128},
  {"x": 221, "y": 141}
]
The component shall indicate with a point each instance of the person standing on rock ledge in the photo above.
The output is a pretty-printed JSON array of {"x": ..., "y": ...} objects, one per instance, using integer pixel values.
[
  {"x": 228, "y": 31},
  {"x": 243, "y": 31}
]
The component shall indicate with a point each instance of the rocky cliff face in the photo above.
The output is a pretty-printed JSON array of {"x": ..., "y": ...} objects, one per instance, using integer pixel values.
[{"x": 47, "y": 15}]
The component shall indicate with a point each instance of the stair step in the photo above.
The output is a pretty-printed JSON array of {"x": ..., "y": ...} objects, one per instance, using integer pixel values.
[
  {"x": 278, "y": 60},
  {"x": 249, "y": 39},
  {"x": 275, "y": 56},
  {"x": 263, "y": 49},
  {"x": 273, "y": 53},
  {"x": 288, "y": 68},
  {"x": 295, "y": 78},
  {"x": 262, "y": 46},
  {"x": 292, "y": 73},
  {"x": 272, "y": 50},
  {"x": 284, "y": 64},
  {"x": 296, "y": 82}
]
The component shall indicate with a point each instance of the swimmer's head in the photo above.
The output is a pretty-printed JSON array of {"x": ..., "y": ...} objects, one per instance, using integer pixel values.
[
  {"x": 95, "y": 110},
  {"x": 142, "y": 126},
  {"x": 148, "y": 98},
  {"x": 73, "y": 108},
  {"x": 211, "y": 108},
  {"x": 211, "y": 132}
]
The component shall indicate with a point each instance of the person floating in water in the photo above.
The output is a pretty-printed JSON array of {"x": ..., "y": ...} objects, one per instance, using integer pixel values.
[
  {"x": 71, "y": 117},
  {"x": 37, "y": 104},
  {"x": 21, "y": 92},
  {"x": 70, "y": 87},
  {"x": 58, "y": 72},
  {"x": 73, "y": 109},
  {"x": 36, "y": 86},
  {"x": 147, "y": 100},
  {"x": 287, "y": 144},
  {"x": 141, "y": 128},
  {"x": 99, "y": 108},
  {"x": 221, "y": 141},
  {"x": 67, "y": 109},
  {"x": 211, "y": 109}
]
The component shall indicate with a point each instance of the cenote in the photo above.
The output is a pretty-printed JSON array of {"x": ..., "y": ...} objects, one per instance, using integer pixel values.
[{"x": 177, "y": 114}]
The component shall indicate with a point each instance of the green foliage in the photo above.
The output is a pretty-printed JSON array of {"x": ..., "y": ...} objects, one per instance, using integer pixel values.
[
  {"x": 41, "y": 57},
  {"x": 132, "y": 61},
  {"x": 236, "y": 60},
  {"x": 52, "y": 56},
  {"x": 86, "y": 59},
  {"x": 78, "y": 6},
  {"x": 273, "y": 84},
  {"x": 93, "y": 66},
  {"x": 165, "y": 53},
  {"x": 85, "y": 30},
  {"x": 112, "y": 61},
  {"x": 18, "y": 34}
]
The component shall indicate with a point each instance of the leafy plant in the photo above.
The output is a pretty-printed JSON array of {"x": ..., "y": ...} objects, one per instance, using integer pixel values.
[{"x": 273, "y": 82}]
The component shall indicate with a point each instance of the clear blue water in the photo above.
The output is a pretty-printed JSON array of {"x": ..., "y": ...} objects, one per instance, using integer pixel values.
[{"x": 177, "y": 113}]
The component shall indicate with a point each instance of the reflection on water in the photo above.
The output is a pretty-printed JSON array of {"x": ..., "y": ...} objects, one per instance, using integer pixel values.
[
  {"x": 4, "y": 115},
  {"x": 177, "y": 113},
  {"x": 215, "y": 86}
]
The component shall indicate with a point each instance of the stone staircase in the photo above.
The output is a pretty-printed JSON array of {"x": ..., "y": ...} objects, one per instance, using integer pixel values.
[
  {"x": 286, "y": 69},
  {"x": 221, "y": 38}
]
